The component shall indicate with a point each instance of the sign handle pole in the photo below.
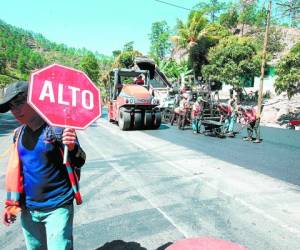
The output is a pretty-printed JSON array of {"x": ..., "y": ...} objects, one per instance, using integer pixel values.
[
  {"x": 67, "y": 114},
  {"x": 65, "y": 154}
]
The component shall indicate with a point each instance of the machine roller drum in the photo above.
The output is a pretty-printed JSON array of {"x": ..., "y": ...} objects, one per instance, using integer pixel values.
[
  {"x": 137, "y": 122},
  {"x": 148, "y": 120},
  {"x": 156, "y": 120},
  {"x": 124, "y": 120}
]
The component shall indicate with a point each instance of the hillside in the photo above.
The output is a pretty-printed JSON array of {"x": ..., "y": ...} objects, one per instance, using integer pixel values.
[
  {"x": 286, "y": 36},
  {"x": 22, "y": 51}
]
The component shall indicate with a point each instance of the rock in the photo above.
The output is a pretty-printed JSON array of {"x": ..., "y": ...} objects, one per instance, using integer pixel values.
[{"x": 279, "y": 110}]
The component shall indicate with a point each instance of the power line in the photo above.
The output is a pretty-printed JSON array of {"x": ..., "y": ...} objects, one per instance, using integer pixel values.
[{"x": 174, "y": 5}]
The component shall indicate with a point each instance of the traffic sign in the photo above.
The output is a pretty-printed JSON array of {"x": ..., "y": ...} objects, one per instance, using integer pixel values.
[{"x": 64, "y": 97}]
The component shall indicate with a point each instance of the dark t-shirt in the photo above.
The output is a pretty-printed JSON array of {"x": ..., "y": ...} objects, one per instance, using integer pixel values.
[{"x": 46, "y": 181}]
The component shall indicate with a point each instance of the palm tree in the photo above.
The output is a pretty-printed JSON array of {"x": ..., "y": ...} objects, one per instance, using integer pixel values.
[{"x": 189, "y": 33}]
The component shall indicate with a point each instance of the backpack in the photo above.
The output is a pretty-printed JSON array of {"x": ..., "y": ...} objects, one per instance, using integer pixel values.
[{"x": 53, "y": 134}]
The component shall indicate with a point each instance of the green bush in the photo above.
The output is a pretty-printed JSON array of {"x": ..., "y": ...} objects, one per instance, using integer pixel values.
[{"x": 4, "y": 80}]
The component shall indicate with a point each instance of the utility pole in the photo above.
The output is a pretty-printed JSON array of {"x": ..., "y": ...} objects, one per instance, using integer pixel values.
[{"x": 263, "y": 62}]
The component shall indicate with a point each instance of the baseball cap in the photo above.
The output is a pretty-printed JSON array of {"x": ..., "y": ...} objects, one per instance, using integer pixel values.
[{"x": 10, "y": 92}]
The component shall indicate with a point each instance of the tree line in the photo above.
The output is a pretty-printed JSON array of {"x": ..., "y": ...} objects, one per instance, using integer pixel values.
[
  {"x": 22, "y": 51},
  {"x": 224, "y": 42}
]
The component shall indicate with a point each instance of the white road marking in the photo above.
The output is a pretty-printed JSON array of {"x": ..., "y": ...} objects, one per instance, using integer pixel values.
[
  {"x": 251, "y": 207},
  {"x": 114, "y": 166}
]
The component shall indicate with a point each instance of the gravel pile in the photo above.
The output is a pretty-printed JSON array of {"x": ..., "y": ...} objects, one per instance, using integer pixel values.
[{"x": 279, "y": 110}]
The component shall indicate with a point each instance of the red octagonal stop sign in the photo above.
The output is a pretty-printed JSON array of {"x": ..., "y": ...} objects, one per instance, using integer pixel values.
[{"x": 64, "y": 96}]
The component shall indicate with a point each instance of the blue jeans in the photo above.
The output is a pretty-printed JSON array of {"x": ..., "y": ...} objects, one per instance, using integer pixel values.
[
  {"x": 52, "y": 229},
  {"x": 232, "y": 121},
  {"x": 195, "y": 125}
]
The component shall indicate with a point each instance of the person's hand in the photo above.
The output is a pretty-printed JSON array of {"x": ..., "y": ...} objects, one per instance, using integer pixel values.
[
  {"x": 10, "y": 215},
  {"x": 69, "y": 138}
]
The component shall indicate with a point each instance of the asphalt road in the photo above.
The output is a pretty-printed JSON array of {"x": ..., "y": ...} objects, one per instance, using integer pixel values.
[{"x": 157, "y": 186}]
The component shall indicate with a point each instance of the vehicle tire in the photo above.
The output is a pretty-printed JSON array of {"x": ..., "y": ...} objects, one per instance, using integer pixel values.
[
  {"x": 137, "y": 122},
  {"x": 124, "y": 120},
  {"x": 202, "y": 129},
  {"x": 157, "y": 120},
  {"x": 148, "y": 120},
  {"x": 220, "y": 134}
]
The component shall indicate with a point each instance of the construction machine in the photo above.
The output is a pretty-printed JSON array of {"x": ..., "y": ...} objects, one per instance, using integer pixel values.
[
  {"x": 158, "y": 83},
  {"x": 132, "y": 104}
]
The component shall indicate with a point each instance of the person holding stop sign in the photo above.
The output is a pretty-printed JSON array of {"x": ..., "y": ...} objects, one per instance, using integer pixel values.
[{"x": 37, "y": 183}]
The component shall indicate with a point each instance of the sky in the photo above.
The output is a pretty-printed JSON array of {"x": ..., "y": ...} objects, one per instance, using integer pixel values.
[{"x": 97, "y": 25}]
